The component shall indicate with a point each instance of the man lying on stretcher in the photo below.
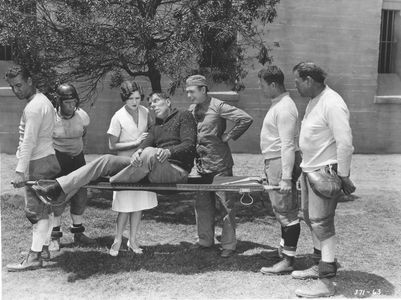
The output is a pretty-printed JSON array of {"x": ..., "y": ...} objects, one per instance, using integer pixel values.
[{"x": 165, "y": 156}]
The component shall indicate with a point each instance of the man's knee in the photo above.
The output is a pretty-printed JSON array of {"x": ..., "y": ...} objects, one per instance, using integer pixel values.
[
  {"x": 148, "y": 153},
  {"x": 323, "y": 228},
  {"x": 35, "y": 216}
]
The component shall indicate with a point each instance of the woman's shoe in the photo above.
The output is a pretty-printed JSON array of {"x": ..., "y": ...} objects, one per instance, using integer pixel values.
[
  {"x": 136, "y": 250},
  {"x": 113, "y": 251}
]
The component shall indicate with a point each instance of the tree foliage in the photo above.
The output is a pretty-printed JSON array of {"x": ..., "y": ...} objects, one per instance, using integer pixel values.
[{"x": 85, "y": 40}]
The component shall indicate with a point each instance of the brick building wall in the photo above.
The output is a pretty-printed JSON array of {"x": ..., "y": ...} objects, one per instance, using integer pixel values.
[{"x": 342, "y": 36}]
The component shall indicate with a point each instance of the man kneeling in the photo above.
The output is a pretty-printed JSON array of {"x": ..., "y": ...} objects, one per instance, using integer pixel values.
[{"x": 165, "y": 156}]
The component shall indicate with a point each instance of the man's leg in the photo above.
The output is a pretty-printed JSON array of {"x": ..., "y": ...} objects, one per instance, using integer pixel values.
[
  {"x": 228, "y": 235},
  {"x": 161, "y": 172},
  {"x": 321, "y": 215},
  {"x": 106, "y": 165},
  {"x": 37, "y": 213},
  {"x": 205, "y": 208},
  {"x": 285, "y": 207},
  {"x": 77, "y": 208}
]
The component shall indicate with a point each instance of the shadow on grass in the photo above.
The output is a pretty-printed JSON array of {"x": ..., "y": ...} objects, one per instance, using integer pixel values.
[
  {"x": 81, "y": 263},
  {"x": 358, "y": 284},
  {"x": 178, "y": 208}
]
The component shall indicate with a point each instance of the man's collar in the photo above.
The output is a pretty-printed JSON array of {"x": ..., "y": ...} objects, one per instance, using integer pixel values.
[
  {"x": 279, "y": 97},
  {"x": 172, "y": 114}
]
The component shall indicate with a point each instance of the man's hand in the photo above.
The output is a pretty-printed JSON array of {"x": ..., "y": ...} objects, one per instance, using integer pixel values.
[
  {"x": 163, "y": 154},
  {"x": 347, "y": 185},
  {"x": 19, "y": 180},
  {"x": 136, "y": 160},
  {"x": 285, "y": 186}
]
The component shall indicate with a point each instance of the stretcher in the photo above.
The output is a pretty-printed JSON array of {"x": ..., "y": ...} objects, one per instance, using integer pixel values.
[{"x": 243, "y": 185}]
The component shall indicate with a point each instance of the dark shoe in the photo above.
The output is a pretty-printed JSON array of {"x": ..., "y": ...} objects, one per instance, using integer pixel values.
[
  {"x": 320, "y": 288},
  {"x": 33, "y": 261},
  {"x": 312, "y": 272},
  {"x": 82, "y": 239},
  {"x": 227, "y": 253},
  {"x": 51, "y": 191},
  {"x": 284, "y": 266},
  {"x": 45, "y": 253},
  {"x": 198, "y": 246}
]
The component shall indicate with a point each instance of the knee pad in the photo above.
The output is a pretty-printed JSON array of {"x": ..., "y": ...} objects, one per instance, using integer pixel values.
[
  {"x": 32, "y": 217},
  {"x": 324, "y": 227}
]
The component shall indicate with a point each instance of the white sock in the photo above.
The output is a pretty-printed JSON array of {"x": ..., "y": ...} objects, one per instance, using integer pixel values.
[
  {"x": 39, "y": 233},
  {"x": 49, "y": 230}
]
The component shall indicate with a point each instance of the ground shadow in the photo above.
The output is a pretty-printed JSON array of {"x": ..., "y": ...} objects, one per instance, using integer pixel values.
[
  {"x": 178, "y": 208},
  {"x": 358, "y": 284},
  {"x": 82, "y": 263}
]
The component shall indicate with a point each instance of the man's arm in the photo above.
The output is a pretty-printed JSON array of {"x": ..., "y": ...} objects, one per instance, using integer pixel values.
[
  {"x": 241, "y": 119},
  {"x": 187, "y": 136},
  {"x": 338, "y": 121},
  {"x": 287, "y": 127},
  {"x": 33, "y": 121},
  {"x": 149, "y": 141}
]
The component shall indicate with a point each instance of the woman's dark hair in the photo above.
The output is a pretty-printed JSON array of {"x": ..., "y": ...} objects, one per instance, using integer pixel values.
[{"x": 129, "y": 87}]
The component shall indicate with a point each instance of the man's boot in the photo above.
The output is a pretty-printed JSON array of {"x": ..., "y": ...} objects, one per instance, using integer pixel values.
[
  {"x": 79, "y": 237},
  {"x": 313, "y": 271},
  {"x": 32, "y": 261},
  {"x": 45, "y": 254},
  {"x": 284, "y": 266},
  {"x": 323, "y": 287},
  {"x": 51, "y": 191}
]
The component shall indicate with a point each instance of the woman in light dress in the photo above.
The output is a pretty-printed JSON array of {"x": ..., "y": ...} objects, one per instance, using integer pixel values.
[{"x": 128, "y": 128}]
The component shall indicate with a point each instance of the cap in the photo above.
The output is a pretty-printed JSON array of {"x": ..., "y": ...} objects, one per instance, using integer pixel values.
[{"x": 196, "y": 80}]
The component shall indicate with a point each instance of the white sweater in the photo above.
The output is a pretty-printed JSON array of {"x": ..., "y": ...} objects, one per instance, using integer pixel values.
[
  {"x": 279, "y": 134},
  {"x": 326, "y": 136},
  {"x": 36, "y": 130}
]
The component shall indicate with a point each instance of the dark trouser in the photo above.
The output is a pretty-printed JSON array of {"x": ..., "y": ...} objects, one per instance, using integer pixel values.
[
  {"x": 111, "y": 165},
  {"x": 42, "y": 168},
  {"x": 205, "y": 208},
  {"x": 69, "y": 164}
]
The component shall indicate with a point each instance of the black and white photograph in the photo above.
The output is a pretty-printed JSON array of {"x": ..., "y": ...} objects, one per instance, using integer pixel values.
[{"x": 200, "y": 149}]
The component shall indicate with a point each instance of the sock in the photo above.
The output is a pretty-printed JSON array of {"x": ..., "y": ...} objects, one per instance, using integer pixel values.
[
  {"x": 39, "y": 232},
  {"x": 291, "y": 236},
  {"x": 49, "y": 231},
  {"x": 77, "y": 228},
  {"x": 327, "y": 269}
]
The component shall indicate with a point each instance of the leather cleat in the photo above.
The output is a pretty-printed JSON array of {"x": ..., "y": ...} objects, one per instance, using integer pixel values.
[
  {"x": 50, "y": 192},
  {"x": 284, "y": 266},
  {"x": 32, "y": 261},
  {"x": 81, "y": 239},
  {"x": 310, "y": 273},
  {"x": 320, "y": 288},
  {"x": 45, "y": 253},
  {"x": 225, "y": 253}
]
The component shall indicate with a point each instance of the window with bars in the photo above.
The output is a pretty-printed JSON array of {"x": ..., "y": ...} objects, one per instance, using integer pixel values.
[{"x": 388, "y": 42}]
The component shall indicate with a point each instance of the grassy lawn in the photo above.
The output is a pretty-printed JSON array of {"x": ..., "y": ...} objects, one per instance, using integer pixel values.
[{"x": 368, "y": 230}]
